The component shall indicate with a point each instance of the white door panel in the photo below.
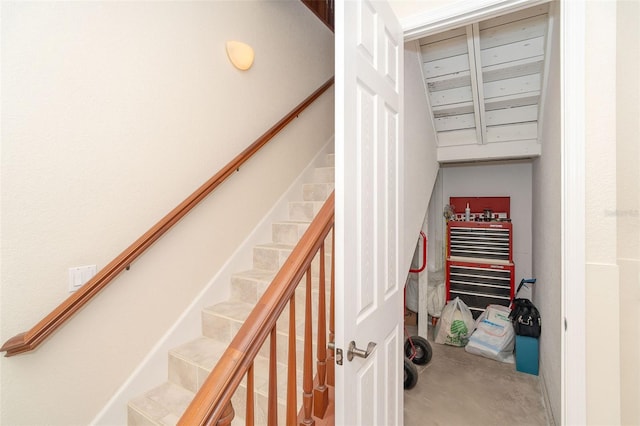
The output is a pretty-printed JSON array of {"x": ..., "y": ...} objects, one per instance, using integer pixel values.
[{"x": 369, "y": 291}]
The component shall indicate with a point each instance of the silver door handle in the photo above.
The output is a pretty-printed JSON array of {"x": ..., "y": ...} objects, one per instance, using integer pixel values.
[{"x": 353, "y": 351}]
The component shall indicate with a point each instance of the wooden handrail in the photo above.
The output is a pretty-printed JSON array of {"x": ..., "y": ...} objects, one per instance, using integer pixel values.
[
  {"x": 214, "y": 397},
  {"x": 324, "y": 10},
  {"x": 31, "y": 339}
]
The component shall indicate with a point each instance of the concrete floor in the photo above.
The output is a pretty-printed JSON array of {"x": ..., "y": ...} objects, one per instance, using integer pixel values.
[{"x": 459, "y": 388}]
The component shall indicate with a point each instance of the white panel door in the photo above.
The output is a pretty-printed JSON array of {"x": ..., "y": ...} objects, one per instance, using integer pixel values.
[{"x": 369, "y": 291}]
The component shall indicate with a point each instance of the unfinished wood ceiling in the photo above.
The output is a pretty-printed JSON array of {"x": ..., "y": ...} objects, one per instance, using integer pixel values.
[{"x": 485, "y": 84}]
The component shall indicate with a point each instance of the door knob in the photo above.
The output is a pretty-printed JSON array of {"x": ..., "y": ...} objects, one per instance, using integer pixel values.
[{"x": 353, "y": 351}]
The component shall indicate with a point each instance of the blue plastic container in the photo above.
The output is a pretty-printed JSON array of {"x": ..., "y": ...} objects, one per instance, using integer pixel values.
[{"x": 527, "y": 352}]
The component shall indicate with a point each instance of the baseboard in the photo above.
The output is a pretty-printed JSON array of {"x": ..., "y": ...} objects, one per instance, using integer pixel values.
[
  {"x": 551, "y": 421},
  {"x": 152, "y": 371}
]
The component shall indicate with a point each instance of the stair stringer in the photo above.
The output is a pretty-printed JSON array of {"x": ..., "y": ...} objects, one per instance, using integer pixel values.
[{"x": 188, "y": 325}]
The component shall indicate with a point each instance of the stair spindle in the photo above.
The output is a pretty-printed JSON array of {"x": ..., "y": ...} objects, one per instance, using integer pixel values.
[
  {"x": 272, "y": 411},
  {"x": 321, "y": 392},
  {"x": 307, "y": 375},
  {"x": 331, "y": 365},
  {"x": 292, "y": 391},
  {"x": 249, "y": 419}
]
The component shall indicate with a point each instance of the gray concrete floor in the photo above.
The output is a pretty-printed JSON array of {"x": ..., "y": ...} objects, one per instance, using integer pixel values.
[{"x": 459, "y": 388}]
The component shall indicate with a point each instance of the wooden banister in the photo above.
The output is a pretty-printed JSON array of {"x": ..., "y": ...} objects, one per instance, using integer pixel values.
[
  {"x": 31, "y": 339},
  {"x": 214, "y": 396},
  {"x": 324, "y": 10}
]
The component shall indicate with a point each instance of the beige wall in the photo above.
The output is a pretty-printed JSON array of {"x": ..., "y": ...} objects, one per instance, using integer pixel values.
[
  {"x": 112, "y": 113},
  {"x": 628, "y": 204},
  {"x": 602, "y": 282},
  {"x": 612, "y": 231}
]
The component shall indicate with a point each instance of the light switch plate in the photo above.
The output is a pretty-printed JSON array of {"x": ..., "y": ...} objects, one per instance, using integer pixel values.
[{"x": 79, "y": 275}]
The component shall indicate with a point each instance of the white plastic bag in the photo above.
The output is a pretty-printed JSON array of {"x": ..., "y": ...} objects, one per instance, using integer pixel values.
[
  {"x": 494, "y": 337},
  {"x": 411, "y": 295},
  {"x": 455, "y": 324},
  {"x": 435, "y": 299}
]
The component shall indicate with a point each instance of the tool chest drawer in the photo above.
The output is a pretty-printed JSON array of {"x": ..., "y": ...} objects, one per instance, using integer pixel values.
[
  {"x": 490, "y": 241},
  {"x": 480, "y": 284}
]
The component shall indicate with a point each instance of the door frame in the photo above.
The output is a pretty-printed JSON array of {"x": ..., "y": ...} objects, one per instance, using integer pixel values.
[
  {"x": 572, "y": 59},
  {"x": 458, "y": 14}
]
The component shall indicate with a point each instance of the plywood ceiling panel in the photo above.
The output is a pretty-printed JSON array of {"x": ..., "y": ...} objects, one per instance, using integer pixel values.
[{"x": 484, "y": 80}]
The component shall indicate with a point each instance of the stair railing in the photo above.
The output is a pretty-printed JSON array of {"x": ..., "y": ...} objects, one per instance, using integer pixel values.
[
  {"x": 31, "y": 339},
  {"x": 212, "y": 404},
  {"x": 324, "y": 10}
]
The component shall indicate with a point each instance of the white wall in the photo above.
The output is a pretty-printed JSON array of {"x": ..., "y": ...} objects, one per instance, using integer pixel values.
[
  {"x": 420, "y": 162},
  {"x": 436, "y": 225},
  {"x": 495, "y": 180},
  {"x": 112, "y": 113},
  {"x": 547, "y": 222},
  {"x": 407, "y": 8}
]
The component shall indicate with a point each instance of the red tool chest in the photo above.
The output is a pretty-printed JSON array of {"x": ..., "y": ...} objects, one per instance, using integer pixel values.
[{"x": 479, "y": 266}]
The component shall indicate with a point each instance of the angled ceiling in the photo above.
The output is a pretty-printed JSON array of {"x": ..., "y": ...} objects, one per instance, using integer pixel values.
[{"x": 485, "y": 83}]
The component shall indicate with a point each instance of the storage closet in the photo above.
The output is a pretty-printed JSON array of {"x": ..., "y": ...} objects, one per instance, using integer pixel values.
[
  {"x": 494, "y": 107},
  {"x": 485, "y": 83}
]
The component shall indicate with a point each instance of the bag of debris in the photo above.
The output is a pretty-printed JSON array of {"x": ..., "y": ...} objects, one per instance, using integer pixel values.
[
  {"x": 455, "y": 324},
  {"x": 493, "y": 337}
]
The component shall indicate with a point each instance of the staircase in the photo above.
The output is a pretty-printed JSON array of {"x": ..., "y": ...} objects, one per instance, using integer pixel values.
[{"x": 190, "y": 364}]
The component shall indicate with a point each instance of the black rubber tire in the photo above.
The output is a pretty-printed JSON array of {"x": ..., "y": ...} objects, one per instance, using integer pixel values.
[
  {"x": 423, "y": 350},
  {"x": 410, "y": 374}
]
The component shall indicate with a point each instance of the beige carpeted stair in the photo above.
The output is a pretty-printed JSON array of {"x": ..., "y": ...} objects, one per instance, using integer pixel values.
[{"x": 190, "y": 363}]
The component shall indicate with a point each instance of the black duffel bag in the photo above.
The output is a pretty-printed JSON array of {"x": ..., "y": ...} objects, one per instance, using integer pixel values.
[{"x": 526, "y": 318}]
